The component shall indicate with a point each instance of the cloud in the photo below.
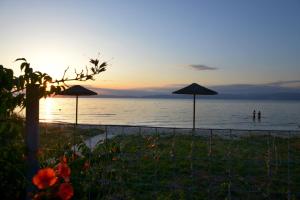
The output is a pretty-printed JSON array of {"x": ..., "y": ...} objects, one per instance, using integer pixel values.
[
  {"x": 285, "y": 83},
  {"x": 268, "y": 88},
  {"x": 202, "y": 67}
]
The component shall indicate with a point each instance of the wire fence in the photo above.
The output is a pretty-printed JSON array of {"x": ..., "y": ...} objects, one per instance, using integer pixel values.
[{"x": 138, "y": 162}]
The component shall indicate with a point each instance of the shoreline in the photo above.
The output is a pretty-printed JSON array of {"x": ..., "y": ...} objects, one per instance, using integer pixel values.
[
  {"x": 86, "y": 125},
  {"x": 107, "y": 132}
]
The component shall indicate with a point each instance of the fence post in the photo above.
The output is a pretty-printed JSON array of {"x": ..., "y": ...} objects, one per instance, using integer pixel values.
[
  {"x": 173, "y": 158},
  {"x": 156, "y": 164},
  {"x": 269, "y": 165},
  {"x": 209, "y": 164},
  {"x": 229, "y": 165},
  {"x": 106, "y": 134},
  {"x": 275, "y": 152},
  {"x": 32, "y": 134},
  {"x": 191, "y": 158},
  {"x": 210, "y": 142},
  {"x": 289, "y": 170}
]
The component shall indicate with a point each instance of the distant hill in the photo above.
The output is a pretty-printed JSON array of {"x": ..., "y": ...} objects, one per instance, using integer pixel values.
[
  {"x": 275, "y": 96},
  {"x": 270, "y": 91}
]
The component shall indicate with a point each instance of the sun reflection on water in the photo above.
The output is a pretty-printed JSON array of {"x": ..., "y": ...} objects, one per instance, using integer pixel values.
[{"x": 49, "y": 107}]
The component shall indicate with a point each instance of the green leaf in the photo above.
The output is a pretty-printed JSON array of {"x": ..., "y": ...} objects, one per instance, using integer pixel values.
[
  {"x": 102, "y": 70},
  {"x": 24, "y": 64},
  {"x": 95, "y": 62},
  {"x": 28, "y": 70},
  {"x": 48, "y": 78},
  {"x": 52, "y": 89},
  {"x": 23, "y": 59},
  {"x": 104, "y": 64},
  {"x": 39, "y": 74}
]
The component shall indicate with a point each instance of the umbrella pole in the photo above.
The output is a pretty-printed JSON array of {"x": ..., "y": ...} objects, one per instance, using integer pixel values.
[
  {"x": 74, "y": 149},
  {"x": 76, "y": 109},
  {"x": 194, "y": 113}
]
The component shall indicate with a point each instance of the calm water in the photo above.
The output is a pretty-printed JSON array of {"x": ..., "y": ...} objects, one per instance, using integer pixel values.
[{"x": 174, "y": 112}]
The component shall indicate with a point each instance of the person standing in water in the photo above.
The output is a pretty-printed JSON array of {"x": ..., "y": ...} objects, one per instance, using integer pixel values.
[
  {"x": 259, "y": 115},
  {"x": 254, "y": 115}
]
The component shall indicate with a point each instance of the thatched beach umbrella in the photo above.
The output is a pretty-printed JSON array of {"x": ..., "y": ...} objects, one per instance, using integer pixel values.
[
  {"x": 77, "y": 90},
  {"x": 195, "y": 89}
]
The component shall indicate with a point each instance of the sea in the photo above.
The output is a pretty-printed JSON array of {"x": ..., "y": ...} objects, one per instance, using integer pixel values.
[{"x": 210, "y": 113}]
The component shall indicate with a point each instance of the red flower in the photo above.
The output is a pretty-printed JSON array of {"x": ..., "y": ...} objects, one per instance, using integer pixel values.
[
  {"x": 44, "y": 178},
  {"x": 63, "y": 159},
  {"x": 75, "y": 156},
  {"x": 114, "y": 158},
  {"x": 114, "y": 149},
  {"x": 86, "y": 165},
  {"x": 64, "y": 171},
  {"x": 39, "y": 152},
  {"x": 65, "y": 191}
]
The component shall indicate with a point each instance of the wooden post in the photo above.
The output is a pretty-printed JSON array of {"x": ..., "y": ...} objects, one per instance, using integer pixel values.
[
  {"x": 32, "y": 133},
  {"x": 194, "y": 113},
  {"x": 76, "y": 108},
  {"x": 75, "y": 131}
]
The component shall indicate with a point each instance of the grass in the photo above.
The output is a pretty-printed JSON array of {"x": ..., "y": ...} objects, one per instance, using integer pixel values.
[
  {"x": 56, "y": 139},
  {"x": 186, "y": 167}
]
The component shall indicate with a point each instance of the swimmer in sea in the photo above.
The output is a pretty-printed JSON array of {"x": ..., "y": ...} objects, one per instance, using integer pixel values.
[{"x": 259, "y": 115}]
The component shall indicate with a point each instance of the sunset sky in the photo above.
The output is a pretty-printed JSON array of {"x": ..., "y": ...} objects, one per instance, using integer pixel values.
[{"x": 157, "y": 43}]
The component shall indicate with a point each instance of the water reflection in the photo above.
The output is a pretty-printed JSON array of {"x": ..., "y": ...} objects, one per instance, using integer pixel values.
[
  {"x": 173, "y": 112},
  {"x": 48, "y": 106}
]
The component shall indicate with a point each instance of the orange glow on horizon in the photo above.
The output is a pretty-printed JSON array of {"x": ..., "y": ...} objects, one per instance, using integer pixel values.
[{"x": 127, "y": 86}]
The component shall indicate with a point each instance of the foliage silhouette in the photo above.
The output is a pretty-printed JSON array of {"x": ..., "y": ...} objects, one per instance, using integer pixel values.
[
  {"x": 12, "y": 88},
  {"x": 13, "y": 95}
]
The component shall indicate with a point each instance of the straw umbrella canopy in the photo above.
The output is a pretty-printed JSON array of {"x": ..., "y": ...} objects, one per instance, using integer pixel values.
[
  {"x": 77, "y": 90},
  {"x": 195, "y": 89}
]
